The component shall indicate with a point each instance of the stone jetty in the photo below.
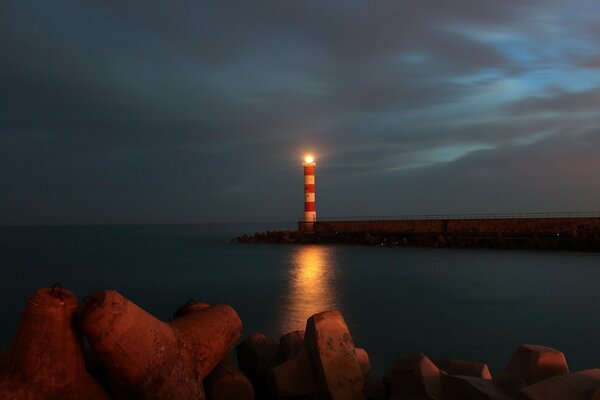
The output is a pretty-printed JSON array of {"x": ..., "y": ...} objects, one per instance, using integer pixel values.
[{"x": 134, "y": 355}]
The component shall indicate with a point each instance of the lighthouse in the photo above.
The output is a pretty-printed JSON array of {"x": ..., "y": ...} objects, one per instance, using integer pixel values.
[{"x": 310, "y": 213}]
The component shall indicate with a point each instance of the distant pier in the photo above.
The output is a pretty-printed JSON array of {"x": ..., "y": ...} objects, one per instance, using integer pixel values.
[
  {"x": 535, "y": 231},
  {"x": 484, "y": 224}
]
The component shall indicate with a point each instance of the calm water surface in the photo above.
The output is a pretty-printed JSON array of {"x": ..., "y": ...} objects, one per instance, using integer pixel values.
[{"x": 476, "y": 304}]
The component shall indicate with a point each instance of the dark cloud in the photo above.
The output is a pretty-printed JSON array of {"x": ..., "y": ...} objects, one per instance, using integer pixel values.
[{"x": 193, "y": 111}]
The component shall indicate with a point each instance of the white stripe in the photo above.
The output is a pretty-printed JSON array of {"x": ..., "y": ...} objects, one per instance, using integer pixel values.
[
  {"x": 309, "y": 197},
  {"x": 309, "y": 179},
  {"x": 310, "y": 216}
]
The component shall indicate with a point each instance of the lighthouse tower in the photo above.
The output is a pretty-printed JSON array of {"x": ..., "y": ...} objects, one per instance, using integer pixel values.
[{"x": 310, "y": 213}]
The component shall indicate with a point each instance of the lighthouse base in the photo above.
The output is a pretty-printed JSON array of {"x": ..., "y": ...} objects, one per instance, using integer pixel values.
[{"x": 306, "y": 226}]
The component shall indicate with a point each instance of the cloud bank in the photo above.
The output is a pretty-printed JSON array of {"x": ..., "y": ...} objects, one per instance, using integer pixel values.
[{"x": 196, "y": 112}]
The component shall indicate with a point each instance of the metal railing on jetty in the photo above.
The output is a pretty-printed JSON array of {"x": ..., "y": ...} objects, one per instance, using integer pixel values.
[{"x": 572, "y": 214}]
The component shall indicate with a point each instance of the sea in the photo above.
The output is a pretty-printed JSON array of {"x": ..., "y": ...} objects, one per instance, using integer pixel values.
[{"x": 474, "y": 304}]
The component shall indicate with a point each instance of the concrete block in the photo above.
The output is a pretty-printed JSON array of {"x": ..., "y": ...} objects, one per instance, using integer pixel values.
[
  {"x": 147, "y": 358},
  {"x": 530, "y": 364},
  {"x": 141, "y": 354},
  {"x": 255, "y": 354},
  {"x": 387, "y": 381},
  {"x": 363, "y": 360},
  {"x": 46, "y": 358},
  {"x": 208, "y": 335},
  {"x": 464, "y": 367},
  {"x": 576, "y": 386},
  {"x": 205, "y": 310},
  {"x": 3, "y": 361},
  {"x": 414, "y": 376},
  {"x": 294, "y": 378},
  {"x": 596, "y": 395},
  {"x": 95, "y": 367},
  {"x": 457, "y": 387},
  {"x": 374, "y": 387},
  {"x": 11, "y": 389},
  {"x": 226, "y": 382},
  {"x": 331, "y": 351},
  {"x": 289, "y": 346},
  {"x": 190, "y": 307}
]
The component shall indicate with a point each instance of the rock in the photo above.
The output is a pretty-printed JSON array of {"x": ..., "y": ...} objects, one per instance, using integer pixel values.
[
  {"x": 577, "y": 386},
  {"x": 46, "y": 360},
  {"x": 463, "y": 367},
  {"x": 331, "y": 351},
  {"x": 294, "y": 378},
  {"x": 147, "y": 358},
  {"x": 226, "y": 382},
  {"x": 462, "y": 387},
  {"x": 414, "y": 376},
  {"x": 531, "y": 364}
]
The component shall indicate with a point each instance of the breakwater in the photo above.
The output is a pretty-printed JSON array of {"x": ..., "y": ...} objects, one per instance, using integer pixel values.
[
  {"x": 558, "y": 233},
  {"x": 134, "y": 355},
  {"x": 572, "y": 227}
]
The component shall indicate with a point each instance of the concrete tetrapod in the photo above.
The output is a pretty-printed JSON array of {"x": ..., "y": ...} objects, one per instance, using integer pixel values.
[
  {"x": 530, "y": 364},
  {"x": 190, "y": 307},
  {"x": 462, "y": 387},
  {"x": 331, "y": 350},
  {"x": 363, "y": 360},
  {"x": 463, "y": 367},
  {"x": 225, "y": 381},
  {"x": 255, "y": 355},
  {"x": 294, "y": 378},
  {"x": 576, "y": 386},
  {"x": 208, "y": 335},
  {"x": 289, "y": 346},
  {"x": 46, "y": 360},
  {"x": 414, "y": 376},
  {"x": 3, "y": 361},
  {"x": 150, "y": 359}
]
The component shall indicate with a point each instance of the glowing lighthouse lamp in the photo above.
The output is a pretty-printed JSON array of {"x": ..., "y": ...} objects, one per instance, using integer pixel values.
[{"x": 310, "y": 213}]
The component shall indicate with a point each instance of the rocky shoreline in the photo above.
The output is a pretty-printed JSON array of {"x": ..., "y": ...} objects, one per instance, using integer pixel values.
[
  {"x": 133, "y": 355},
  {"x": 589, "y": 242}
]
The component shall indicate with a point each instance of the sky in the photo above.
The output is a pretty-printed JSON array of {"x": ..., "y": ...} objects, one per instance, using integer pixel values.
[{"x": 201, "y": 111}]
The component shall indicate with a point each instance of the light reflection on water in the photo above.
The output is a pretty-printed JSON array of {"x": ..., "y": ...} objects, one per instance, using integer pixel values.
[{"x": 310, "y": 288}]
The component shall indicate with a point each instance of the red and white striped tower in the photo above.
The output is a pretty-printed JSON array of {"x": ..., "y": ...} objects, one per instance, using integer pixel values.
[{"x": 310, "y": 213}]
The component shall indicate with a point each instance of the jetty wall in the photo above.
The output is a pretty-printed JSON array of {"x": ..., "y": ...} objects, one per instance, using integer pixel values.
[{"x": 571, "y": 226}]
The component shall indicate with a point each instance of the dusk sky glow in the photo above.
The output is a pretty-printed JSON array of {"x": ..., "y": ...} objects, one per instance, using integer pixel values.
[{"x": 188, "y": 111}]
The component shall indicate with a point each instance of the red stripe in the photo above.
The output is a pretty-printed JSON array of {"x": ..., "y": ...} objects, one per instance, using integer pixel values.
[
  {"x": 309, "y": 170},
  {"x": 309, "y": 188},
  {"x": 309, "y": 206}
]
